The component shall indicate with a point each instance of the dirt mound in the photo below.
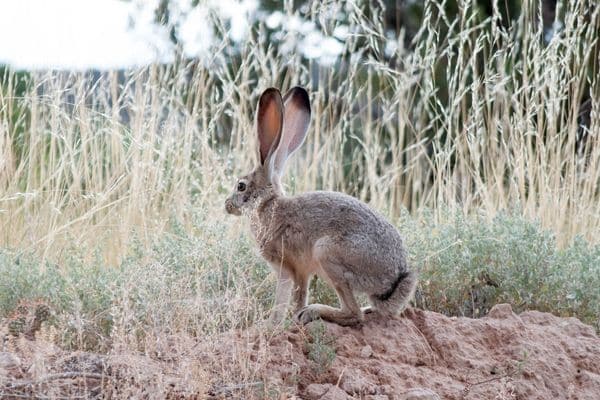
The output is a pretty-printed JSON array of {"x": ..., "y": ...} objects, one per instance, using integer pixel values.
[
  {"x": 422, "y": 355},
  {"x": 425, "y": 355}
]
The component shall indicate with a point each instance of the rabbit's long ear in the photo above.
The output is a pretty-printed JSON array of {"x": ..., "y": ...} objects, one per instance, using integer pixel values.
[
  {"x": 269, "y": 123},
  {"x": 296, "y": 118}
]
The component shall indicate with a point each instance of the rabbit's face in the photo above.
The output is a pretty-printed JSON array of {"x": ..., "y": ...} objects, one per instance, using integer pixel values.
[
  {"x": 275, "y": 145},
  {"x": 248, "y": 192}
]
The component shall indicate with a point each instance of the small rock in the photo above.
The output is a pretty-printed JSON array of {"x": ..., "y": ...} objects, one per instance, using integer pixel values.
[
  {"x": 316, "y": 391},
  {"x": 335, "y": 393},
  {"x": 501, "y": 311},
  {"x": 325, "y": 392},
  {"x": 366, "y": 352},
  {"x": 9, "y": 360},
  {"x": 420, "y": 394},
  {"x": 17, "y": 326},
  {"x": 354, "y": 382}
]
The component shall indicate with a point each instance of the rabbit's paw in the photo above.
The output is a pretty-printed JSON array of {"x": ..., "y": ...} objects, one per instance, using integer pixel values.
[{"x": 307, "y": 314}]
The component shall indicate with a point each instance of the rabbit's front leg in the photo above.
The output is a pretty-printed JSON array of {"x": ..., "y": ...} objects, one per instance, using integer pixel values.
[
  {"x": 283, "y": 292},
  {"x": 300, "y": 292}
]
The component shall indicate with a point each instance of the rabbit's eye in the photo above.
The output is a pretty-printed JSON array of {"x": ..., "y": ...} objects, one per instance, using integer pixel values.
[{"x": 241, "y": 186}]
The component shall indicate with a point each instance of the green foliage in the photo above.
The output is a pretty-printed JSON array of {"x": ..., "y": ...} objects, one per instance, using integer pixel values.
[
  {"x": 321, "y": 292},
  {"x": 211, "y": 280},
  {"x": 199, "y": 282},
  {"x": 320, "y": 347},
  {"x": 469, "y": 264}
]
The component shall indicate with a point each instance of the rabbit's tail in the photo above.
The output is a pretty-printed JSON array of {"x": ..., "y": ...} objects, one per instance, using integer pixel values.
[{"x": 395, "y": 300}]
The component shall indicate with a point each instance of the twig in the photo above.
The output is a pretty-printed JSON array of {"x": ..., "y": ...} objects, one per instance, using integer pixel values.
[
  {"x": 223, "y": 390},
  {"x": 52, "y": 377},
  {"x": 491, "y": 379},
  {"x": 32, "y": 396},
  {"x": 469, "y": 385},
  {"x": 340, "y": 377}
]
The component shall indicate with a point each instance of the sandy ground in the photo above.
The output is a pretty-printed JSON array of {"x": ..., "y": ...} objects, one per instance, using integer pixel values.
[{"x": 421, "y": 355}]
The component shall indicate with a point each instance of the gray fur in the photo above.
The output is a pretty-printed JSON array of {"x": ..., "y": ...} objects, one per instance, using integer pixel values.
[{"x": 346, "y": 243}]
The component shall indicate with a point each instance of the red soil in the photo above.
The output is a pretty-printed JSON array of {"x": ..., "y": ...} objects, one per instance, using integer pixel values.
[{"x": 421, "y": 355}]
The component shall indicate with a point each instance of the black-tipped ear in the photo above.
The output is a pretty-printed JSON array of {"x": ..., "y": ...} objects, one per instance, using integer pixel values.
[
  {"x": 299, "y": 94},
  {"x": 269, "y": 122},
  {"x": 296, "y": 118}
]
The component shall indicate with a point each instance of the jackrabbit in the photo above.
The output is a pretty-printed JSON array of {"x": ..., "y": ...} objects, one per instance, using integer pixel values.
[{"x": 333, "y": 235}]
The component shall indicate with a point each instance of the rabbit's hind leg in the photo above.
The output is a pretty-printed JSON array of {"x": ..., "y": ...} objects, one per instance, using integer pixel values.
[
  {"x": 330, "y": 258},
  {"x": 349, "y": 315}
]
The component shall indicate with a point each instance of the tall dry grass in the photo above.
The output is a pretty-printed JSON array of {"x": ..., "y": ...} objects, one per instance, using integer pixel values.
[
  {"x": 96, "y": 161},
  {"x": 131, "y": 169}
]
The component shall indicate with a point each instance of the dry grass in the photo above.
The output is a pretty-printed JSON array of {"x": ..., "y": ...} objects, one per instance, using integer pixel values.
[
  {"x": 93, "y": 161},
  {"x": 95, "y": 170}
]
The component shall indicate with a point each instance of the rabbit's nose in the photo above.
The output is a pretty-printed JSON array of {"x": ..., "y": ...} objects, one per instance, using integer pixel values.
[
  {"x": 231, "y": 208},
  {"x": 228, "y": 206}
]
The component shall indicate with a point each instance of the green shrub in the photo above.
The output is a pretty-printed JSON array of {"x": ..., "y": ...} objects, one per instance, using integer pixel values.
[
  {"x": 212, "y": 279},
  {"x": 468, "y": 264}
]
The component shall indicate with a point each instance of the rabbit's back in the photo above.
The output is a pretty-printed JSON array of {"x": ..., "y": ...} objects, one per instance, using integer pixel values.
[{"x": 339, "y": 215}]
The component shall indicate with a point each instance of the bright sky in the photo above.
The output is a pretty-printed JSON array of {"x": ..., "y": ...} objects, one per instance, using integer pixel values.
[
  {"x": 78, "y": 34},
  {"x": 105, "y": 34}
]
